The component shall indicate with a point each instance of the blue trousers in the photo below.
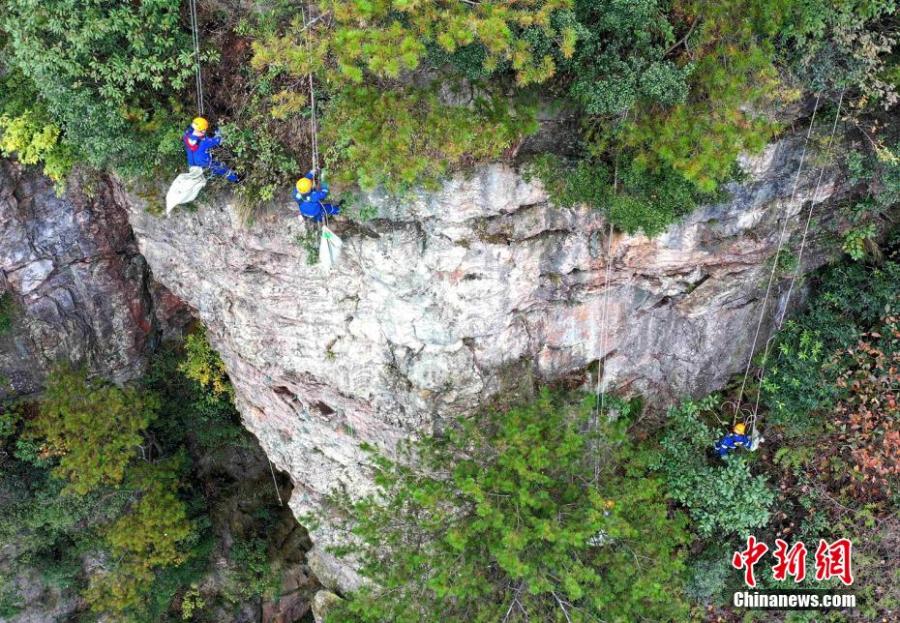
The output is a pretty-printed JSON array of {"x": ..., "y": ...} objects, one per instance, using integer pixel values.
[{"x": 217, "y": 168}]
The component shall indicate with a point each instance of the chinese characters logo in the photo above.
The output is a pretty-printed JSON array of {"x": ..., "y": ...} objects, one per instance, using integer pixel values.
[{"x": 832, "y": 560}]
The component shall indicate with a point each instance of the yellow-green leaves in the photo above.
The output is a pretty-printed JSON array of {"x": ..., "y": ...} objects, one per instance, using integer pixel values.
[
  {"x": 397, "y": 138},
  {"x": 94, "y": 428},
  {"x": 203, "y": 365}
]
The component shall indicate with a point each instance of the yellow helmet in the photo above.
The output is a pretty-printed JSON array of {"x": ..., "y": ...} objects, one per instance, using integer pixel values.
[
  {"x": 739, "y": 428},
  {"x": 200, "y": 124},
  {"x": 304, "y": 185}
]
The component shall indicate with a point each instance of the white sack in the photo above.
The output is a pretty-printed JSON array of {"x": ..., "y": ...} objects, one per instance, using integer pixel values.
[
  {"x": 329, "y": 248},
  {"x": 185, "y": 188}
]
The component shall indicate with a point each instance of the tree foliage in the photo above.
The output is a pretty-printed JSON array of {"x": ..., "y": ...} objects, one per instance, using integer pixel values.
[
  {"x": 153, "y": 534},
  {"x": 733, "y": 79},
  {"x": 104, "y": 72},
  {"x": 397, "y": 139},
  {"x": 846, "y": 45},
  {"x": 204, "y": 366},
  {"x": 810, "y": 353},
  {"x": 723, "y": 497},
  {"x": 133, "y": 546},
  {"x": 94, "y": 428},
  {"x": 506, "y": 515},
  {"x": 27, "y": 130}
]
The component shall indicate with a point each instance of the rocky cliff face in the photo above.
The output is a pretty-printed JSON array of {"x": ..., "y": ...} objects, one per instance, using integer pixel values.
[
  {"x": 452, "y": 297},
  {"x": 75, "y": 285}
]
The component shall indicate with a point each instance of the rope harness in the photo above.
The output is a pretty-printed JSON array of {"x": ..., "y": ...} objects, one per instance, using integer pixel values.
[{"x": 750, "y": 420}]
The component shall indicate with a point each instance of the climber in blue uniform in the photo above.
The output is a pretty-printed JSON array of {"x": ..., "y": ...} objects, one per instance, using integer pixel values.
[
  {"x": 733, "y": 441},
  {"x": 311, "y": 200},
  {"x": 197, "y": 146}
]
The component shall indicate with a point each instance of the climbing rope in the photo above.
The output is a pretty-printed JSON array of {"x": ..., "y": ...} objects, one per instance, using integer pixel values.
[
  {"x": 781, "y": 240},
  {"x": 604, "y": 334},
  {"x": 274, "y": 480},
  {"x": 837, "y": 116},
  {"x": 812, "y": 206},
  {"x": 751, "y": 419},
  {"x": 313, "y": 120},
  {"x": 195, "y": 31},
  {"x": 599, "y": 403}
]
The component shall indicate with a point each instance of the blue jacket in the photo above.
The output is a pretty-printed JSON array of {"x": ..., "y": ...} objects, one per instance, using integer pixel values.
[
  {"x": 312, "y": 204},
  {"x": 197, "y": 148},
  {"x": 731, "y": 441}
]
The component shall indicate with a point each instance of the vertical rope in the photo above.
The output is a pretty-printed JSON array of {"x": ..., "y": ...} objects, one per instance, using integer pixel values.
[
  {"x": 798, "y": 268},
  {"x": 837, "y": 116},
  {"x": 274, "y": 480},
  {"x": 604, "y": 336},
  {"x": 195, "y": 31},
  {"x": 313, "y": 121},
  {"x": 599, "y": 403},
  {"x": 781, "y": 239}
]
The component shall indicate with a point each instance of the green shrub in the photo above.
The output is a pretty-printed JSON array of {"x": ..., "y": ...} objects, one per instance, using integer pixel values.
[
  {"x": 107, "y": 74},
  {"x": 402, "y": 137},
  {"x": 253, "y": 575},
  {"x": 516, "y": 507},
  {"x": 808, "y": 355},
  {"x": 641, "y": 201},
  {"x": 27, "y": 130},
  {"x": 723, "y": 497},
  {"x": 650, "y": 201},
  {"x": 620, "y": 58},
  {"x": 857, "y": 241},
  {"x": 844, "y": 45},
  {"x": 571, "y": 184},
  {"x": 203, "y": 365},
  {"x": 94, "y": 428}
]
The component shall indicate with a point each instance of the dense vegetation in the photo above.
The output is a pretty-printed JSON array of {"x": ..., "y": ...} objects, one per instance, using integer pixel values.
[
  {"x": 540, "y": 511},
  {"x": 118, "y": 493},
  {"x": 664, "y": 93},
  {"x": 520, "y": 515}
]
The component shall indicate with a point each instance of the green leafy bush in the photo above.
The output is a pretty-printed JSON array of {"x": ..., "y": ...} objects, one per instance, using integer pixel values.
[
  {"x": 94, "y": 428},
  {"x": 203, "y": 365},
  {"x": 809, "y": 353},
  {"x": 845, "y": 45},
  {"x": 105, "y": 73},
  {"x": 398, "y": 138},
  {"x": 635, "y": 200},
  {"x": 569, "y": 184},
  {"x": 27, "y": 130},
  {"x": 652, "y": 200},
  {"x": 723, "y": 497},
  {"x": 253, "y": 574},
  {"x": 620, "y": 58},
  {"x": 857, "y": 241},
  {"x": 518, "y": 512}
]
